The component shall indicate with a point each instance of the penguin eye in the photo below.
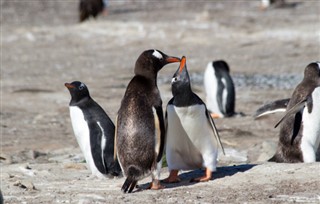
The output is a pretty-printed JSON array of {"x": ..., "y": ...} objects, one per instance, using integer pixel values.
[{"x": 174, "y": 79}]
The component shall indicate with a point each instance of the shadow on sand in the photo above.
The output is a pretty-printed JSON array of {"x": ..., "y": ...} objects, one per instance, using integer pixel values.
[{"x": 187, "y": 176}]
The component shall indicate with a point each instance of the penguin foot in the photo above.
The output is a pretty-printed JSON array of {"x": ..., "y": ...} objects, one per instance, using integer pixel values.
[
  {"x": 155, "y": 185},
  {"x": 173, "y": 177},
  {"x": 204, "y": 178},
  {"x": 215, "y": 115}
]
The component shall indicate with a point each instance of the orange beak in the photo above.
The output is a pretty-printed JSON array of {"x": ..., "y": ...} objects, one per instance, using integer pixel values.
[
  {"x": 69, "y": 86},
  {"x": 172, "y": 59},
  {"x": 182, "y": 63}
]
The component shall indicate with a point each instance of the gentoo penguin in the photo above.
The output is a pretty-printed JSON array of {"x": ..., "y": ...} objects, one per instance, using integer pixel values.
[
  {"x": 94, "y": 131},
  {"x": 140, "y": 128},
  {"x": 265, "y": 4},
  {"x": 219, "y": 88},
  {"x": 192, "y": 139},
  {"x": 88, "y": 8},
  {"x": 272, "y": 107},
  {"x": 300, "y": 127}
]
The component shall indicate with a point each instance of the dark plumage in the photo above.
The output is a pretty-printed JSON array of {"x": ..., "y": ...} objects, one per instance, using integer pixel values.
[
  {"x": 291, "y": 129},
  {"x": 89, "y": 8},
  {"x": 140, "y": 124}
]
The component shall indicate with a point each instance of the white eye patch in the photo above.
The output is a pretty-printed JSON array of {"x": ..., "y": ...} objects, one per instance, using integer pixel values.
[
  {"x": 81, "y": 86},
  {"x": 157, "y": 54}
]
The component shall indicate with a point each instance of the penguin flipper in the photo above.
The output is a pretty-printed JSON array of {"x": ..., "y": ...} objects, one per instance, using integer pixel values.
[
  {"x": 115, "y": 140},
  {"x": 273, "y": 107},
  {"x": 160, "y": 131},
  {"x": 293, "y": 110},
  {"x": 215, "y": 130},
  {"x": 96, "y": 135}
]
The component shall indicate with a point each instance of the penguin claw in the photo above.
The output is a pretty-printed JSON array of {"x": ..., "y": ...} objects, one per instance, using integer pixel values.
[
  {"x": 155, "y": 185},
  {"x": 173, "y": 177}
]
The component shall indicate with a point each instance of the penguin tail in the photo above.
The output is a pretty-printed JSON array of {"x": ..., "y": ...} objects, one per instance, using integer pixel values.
[
  {"x": 128, "y": 185},
  {"x": 132, "y": 174}
]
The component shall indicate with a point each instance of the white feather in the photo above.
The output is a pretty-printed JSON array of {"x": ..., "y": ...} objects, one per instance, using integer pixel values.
[
  {"x": 190, "y": 140},
  {"x": 157, "y": 54},
  {"x": 211, "y": 89},
  {"x": 82, "y": 134},
  {"x": 311, "y": 129}
]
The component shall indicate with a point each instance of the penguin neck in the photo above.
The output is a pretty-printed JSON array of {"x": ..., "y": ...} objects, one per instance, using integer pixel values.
[
  {"x": 79, "y": 101},
  {"x": 183, "y": 95}
]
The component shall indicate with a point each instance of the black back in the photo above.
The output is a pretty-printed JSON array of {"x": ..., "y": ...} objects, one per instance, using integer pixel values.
[
  {"x": 93, "y": 113},
  {"x": 222, "y": 69}
]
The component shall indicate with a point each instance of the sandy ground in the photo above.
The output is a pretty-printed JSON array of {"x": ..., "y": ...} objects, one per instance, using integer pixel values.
[{"x": 43, "y": 47}]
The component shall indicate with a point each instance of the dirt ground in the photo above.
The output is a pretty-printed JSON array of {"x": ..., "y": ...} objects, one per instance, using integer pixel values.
[{"x": 43, "y": 46}]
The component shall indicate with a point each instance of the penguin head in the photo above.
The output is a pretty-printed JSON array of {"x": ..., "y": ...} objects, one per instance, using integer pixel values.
[
  {"x": 151, "y": 61},
  {"x": 78, "y": 91},
  {"x": 180, "y": 82},
  {"x": 312, "y": 73}
]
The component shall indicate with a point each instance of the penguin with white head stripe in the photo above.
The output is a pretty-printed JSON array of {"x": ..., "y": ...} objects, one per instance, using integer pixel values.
[
  {"x": 94, "y": 131},
  {"x": 192, "y": 139}
]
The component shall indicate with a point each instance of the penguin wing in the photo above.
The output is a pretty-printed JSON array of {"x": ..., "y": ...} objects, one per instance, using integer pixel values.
[
  {"x": 115, "y": 140},
  {"x": 273, "y": 107},
  {"x": 96, "y": 136},
  {"x": 160, "y": 131},
  {"x": 295, "y": 109},
  {"x": 215, "y": 130}
]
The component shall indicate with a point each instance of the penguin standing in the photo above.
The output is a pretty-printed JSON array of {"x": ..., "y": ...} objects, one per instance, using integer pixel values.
[
  {"x": 94, "y": 131},
  {"x": 300, "y": 127},
  {"x": 140, "y": 129},
  {"x": 192, "y": 139},
  {"x": 219, "y": 88}
]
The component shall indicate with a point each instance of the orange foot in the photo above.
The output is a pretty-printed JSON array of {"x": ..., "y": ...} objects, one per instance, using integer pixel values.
[
  {"x": 155, "y": 185},
  {"x": 215, "y": 115},
  {"x": 173, "y": 177},
  {"x": 204, "y": 178}
]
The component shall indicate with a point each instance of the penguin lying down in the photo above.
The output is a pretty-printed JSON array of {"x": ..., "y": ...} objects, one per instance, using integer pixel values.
[
  {"x": 192, "y": 139},
  {"x": 93, "y": 130},
  {"x": 300, "y": 126}
]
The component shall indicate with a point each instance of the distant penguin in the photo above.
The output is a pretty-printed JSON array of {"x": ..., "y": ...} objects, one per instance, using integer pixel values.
[
  {"x": 300, "y": 127},
  {"x": 140, "y": 128},
  {"x": 88, "y": 8},
  {"x": 219, "y": 88},
  {"x": 192, "y": 139},
  {"x": 94, "y": 131},
  {"x": 265, "y": 4}
]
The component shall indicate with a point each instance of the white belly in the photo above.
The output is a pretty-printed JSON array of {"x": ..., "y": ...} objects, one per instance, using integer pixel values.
[
  {"x": 82, "y": 134},
  {"x": 211, "y": 89},
  {"x": 311, "y": 129},
  {"x": 190, "y": 139}
]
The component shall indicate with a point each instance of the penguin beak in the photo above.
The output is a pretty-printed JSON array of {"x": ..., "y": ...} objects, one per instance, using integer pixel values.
[
  {"x": 69, "y": 86},
  {"x": 172, "y": 59},
  {"x": 182, "y": 64}
]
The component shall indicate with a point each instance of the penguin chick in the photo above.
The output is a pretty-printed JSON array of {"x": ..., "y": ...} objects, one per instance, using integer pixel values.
[{"x": 140, "y": 129}]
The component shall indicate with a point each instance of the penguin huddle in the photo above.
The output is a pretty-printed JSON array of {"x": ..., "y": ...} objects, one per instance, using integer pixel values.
[{"x": 187, "y": 134}]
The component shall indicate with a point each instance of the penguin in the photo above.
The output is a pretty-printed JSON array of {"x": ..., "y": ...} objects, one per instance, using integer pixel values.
[
  {"x": 219, "y": 89},
  {"x": 93, "y": 130},
  {"x": 272, "y": 107},
  {"x": 300, "y": 126},
  {"x": 1, "y": 197},
  {"x": 89, "y": 8},
  {"x": 140, "y": 128},
  {"x": 265, "y": 4},
  {"x": 192, "y": 138}
]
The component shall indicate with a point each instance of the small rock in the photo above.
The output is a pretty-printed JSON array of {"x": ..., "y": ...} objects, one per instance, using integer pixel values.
[{"x": 28, "y": 185}]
